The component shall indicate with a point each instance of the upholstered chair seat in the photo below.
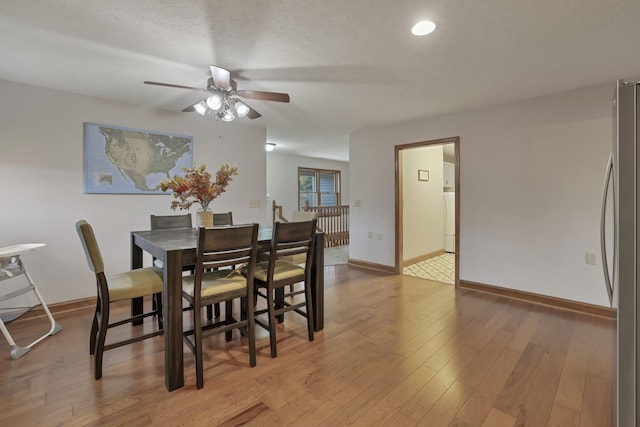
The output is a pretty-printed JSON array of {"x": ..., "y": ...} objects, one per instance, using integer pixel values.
[
  {"x": 135, "y": 283},
  {"x": 215, "y": 282},
  {"x": 283, "y": 269}
]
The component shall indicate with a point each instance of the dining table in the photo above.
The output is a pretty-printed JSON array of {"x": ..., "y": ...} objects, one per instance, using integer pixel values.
[{"x": 177, "y": 248}]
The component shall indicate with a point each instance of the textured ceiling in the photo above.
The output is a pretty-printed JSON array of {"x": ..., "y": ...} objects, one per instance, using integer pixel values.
[{"x": 347, "y": 65}]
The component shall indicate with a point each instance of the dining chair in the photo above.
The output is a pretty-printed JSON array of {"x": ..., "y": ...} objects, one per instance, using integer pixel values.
[
  {"x": 163, "y": 222},
  {"x": 122, "y": 286},
  {"x": 213, "y": 283},
  {"x": 171, "y": 221},
  {"x": 219, "y": 219},
  {"x": 273, "y": 276},
  {"x": 222, "y": 218},
  {"x": 298, "y": 216}
]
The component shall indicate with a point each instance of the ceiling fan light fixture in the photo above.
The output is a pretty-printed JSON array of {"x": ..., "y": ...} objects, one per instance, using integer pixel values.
[
  {"x": 228, "y": 115},
  {"x": 201, "y": 108},
  {"x": 241, "y": 108},
  {"x": 214, "y": 102},
  {"x": 423, "y": 28}
]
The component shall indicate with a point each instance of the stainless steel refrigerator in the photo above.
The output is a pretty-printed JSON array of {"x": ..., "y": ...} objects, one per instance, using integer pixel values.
[{"x": 620, "y": 236}]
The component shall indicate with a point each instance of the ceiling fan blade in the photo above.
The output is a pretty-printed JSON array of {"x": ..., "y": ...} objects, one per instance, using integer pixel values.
[
  {"x": 264, "y": 96},
  {"x": 252, "y": 114},
  {"x": 199, "y": 89},
  {"x": 221, "y": 77}
]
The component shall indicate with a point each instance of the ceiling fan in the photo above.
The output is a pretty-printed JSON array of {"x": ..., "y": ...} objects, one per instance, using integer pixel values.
[{"x": 222, "y": 100}]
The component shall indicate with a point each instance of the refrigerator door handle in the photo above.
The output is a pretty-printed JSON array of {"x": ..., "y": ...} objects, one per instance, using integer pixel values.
[{"x": 603, "y": 245}]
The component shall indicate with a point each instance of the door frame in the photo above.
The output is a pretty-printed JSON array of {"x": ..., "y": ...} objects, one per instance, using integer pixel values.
[{"x": 455, "y": 140}]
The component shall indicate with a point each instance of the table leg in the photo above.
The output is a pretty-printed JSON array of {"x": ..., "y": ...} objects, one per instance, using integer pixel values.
[
  {"x": 137, "y": 304},
  {"x": 317, "y": 283},
  {"x": 172, "y": 312}
]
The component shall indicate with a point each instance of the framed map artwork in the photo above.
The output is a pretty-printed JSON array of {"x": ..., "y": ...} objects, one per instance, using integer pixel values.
[{"x": 120, "y": 160}]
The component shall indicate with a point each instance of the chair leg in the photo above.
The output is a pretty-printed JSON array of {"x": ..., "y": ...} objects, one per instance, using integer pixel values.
[
  {"x": 279, "y": 303},
  {"x": 228, "y": 315},
  {"x": 103, "y": 325},
  {"x": 250, "y": 330},
  {"x": 197, "y": 336},
  {"x": 307, "y": 296},
  {"x": 272, "y": 322},
  {"x": 244, "y": 306},
  {"x": 255, "y": 295},
  {"x": 94, "y": 330},
  {"x": 211, "y": 311},
  {"x": 157, "y": 306}
]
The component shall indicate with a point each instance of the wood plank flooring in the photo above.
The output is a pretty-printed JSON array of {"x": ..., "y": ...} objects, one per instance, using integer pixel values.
[{"x": 395, "y": 351}]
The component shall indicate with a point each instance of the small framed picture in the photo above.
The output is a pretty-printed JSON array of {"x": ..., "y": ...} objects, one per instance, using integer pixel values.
[{"x": 423, "y": 175}]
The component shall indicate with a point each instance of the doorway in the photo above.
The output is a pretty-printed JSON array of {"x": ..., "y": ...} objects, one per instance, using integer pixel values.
[{"x": 427, "y": 184}]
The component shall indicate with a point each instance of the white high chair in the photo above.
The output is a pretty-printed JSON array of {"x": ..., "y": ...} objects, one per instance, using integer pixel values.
[{"x": 12, "y": 266}]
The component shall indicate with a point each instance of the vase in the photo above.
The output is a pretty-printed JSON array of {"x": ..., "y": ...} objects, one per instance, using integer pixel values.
[{"x": 204, "y": 218}]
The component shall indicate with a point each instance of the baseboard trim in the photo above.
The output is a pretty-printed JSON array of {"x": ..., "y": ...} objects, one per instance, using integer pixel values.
[
  {"x": 371, "y": 266},
  {"x": 565, "y": 304},
  {"x": 59, "y": 308},
  {"x": 422, "y": 258},
  {"x": 596, "y": 310}
]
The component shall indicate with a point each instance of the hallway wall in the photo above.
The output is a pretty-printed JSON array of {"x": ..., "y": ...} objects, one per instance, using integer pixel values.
[
  {"x": 531, "y": 177},
  {"x": 423, "y": 219}
]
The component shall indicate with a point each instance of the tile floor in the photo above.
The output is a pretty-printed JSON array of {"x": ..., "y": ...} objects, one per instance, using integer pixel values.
[{"x": 440, "y": 268}]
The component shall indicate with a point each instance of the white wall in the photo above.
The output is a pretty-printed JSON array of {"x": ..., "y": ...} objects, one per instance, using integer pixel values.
[
  {"x": 41, "y": 168},
  {"x": 531, "y": 177},
  {"x": 423, "y": 208},
  {"x": 282, "y": 179}
]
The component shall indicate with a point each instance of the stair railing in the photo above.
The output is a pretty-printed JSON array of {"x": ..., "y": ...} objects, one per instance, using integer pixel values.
[{"x": 333, "y": 220}]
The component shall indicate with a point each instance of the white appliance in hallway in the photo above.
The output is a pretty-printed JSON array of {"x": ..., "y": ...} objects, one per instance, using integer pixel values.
[
  {"x": 449, "y": 221},
  {"x": 622, "y": 182}
]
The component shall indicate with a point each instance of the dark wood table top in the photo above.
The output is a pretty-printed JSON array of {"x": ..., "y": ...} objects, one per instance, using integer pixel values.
[
  {"x": 187, "y": 238},
  {"x": 157, "y": 242}
]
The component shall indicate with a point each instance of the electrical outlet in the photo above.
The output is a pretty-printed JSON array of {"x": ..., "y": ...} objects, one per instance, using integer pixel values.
[
  {"x": 254, "y": 203},
  {"x": 590, "y": 258},
  {"x": 379, "y": 236},
  {"x": 358, "y": 203}
]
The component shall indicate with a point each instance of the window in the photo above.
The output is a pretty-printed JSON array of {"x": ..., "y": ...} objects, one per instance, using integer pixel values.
[{"x": 318, "y": 187}]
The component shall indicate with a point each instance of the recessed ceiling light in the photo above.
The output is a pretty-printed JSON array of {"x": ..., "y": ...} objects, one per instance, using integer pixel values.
[{"x": 423, "y": 28}]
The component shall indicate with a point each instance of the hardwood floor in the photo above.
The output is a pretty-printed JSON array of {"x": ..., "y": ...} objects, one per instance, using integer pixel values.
[{"x": 395, "y": 351}]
